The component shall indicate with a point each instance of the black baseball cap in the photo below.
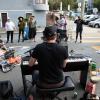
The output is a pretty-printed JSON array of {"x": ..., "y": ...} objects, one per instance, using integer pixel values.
[
  {"x": 50, "y": 31},
  {"x": 20, "y": 17}
]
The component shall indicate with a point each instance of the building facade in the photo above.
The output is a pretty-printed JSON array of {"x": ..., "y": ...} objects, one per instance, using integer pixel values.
[
  {"x": 15, "y": 8},
  {"x": 90, "y": 5}
]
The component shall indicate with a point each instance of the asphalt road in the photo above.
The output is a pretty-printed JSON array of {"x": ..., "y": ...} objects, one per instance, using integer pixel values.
[{"x": 91, "y": 37}]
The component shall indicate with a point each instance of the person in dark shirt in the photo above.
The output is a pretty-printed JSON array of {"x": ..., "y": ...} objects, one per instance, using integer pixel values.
[
  {"x": 79, "y": 28},
  {"x": 21, "y": 26},
  {"x": 32, "y": 27},
  {"x": 52, "y": 58}
]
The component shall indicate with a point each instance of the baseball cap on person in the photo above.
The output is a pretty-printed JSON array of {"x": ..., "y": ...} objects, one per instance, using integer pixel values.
[{"x": 50, "y": 31}]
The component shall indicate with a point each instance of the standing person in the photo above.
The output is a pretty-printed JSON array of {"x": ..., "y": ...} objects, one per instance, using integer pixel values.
[
  {"x": 26, "y": 30},
  {"x": 58, "y": 34},
  {"x": 21, "y": 25},
  {"x": 52, "y": 21},
  {"x": 10, "y": 27},
  {"x": 32, "y": 28},
  {"x": 52, "y": 58},
  {"x": 61, "y": 23},
  {"x": 79, "y": 28}
]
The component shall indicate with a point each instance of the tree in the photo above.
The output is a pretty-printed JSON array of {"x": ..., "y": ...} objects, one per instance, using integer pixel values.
[
  {"x": 97, "y": 4},
  {"x": 55, "y": 4},
  {"x": 65, "y": 3}
]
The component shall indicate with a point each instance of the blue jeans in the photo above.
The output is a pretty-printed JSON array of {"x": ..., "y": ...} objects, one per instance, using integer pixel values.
[{"x": 35, "y": 77}]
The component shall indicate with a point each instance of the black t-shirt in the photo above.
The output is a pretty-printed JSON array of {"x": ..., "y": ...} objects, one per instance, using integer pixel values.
[
  {"x": 79, "y": 24},
  {"x": 50, "y": 58}
]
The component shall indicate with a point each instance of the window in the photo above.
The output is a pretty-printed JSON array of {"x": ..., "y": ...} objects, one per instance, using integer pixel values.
[
  {"x": 4, "y": 19},
  {"x": 40, "y": 1}
]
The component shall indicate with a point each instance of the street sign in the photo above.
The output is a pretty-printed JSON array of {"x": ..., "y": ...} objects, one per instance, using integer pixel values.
[{"x": 60, "y": 6}]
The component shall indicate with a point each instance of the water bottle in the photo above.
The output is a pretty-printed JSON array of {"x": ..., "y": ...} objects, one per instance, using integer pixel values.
[{"x": 93, "y": 66}]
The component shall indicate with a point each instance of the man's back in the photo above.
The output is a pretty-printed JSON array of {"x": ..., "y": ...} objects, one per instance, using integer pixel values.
[{"x": 50, "y": 57}]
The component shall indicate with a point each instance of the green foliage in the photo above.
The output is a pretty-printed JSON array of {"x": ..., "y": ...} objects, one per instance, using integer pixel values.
[
  {"x": 26, "y": 19},
  {"x": 97, "y": 4},
  {"x": 55, "y": 4}
]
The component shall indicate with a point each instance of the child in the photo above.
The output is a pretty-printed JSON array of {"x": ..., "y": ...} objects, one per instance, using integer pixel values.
[{"x": 2, "y": 45}]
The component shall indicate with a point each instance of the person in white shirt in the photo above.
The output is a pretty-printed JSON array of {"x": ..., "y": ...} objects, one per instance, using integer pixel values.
[
  {"x": 10, "y": 27},
  {"x": 61, "y": 24}
]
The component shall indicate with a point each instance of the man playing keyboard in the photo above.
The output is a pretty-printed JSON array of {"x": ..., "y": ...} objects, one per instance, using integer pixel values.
[{"x": 52, "y": 58}]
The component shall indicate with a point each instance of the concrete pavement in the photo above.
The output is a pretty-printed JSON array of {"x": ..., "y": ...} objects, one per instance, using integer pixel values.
[
  {"x": 86, "y": 48},
  {"x": 39, "y": 29}
]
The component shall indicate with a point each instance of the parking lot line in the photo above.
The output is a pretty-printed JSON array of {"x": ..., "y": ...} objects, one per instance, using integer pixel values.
[{"x": 91, "y": 41}]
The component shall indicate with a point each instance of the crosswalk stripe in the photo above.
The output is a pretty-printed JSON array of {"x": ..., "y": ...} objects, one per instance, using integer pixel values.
[
  {"x": 96, "y": 47},
  {"x": 91, "y": 37},
  {"x": 91, "y": 41}
]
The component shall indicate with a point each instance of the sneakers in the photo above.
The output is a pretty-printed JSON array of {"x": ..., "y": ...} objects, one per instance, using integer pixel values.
[
  {"x": 80, "y": 41},
  {"x": 75, "y": 41},
  {"x": 22, "y": 40},
  {"x": 7, "y": 42},
  {"x": 18, "y": 40}
]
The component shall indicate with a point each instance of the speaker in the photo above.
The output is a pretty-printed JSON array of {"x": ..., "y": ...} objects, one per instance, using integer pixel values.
[{"x": 6, "y": 89}]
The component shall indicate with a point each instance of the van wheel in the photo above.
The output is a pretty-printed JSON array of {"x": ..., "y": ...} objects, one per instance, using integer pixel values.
[{"x": 96, "y": 26}]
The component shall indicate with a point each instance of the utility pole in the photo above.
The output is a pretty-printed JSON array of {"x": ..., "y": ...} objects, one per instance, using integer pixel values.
[
  {"x": 82, "y": 8},
  {"x": 60, "y": 6}
]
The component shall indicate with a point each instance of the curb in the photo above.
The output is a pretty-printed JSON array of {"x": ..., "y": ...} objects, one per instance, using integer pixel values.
[
  {"x": 39, "y": 30},
  {"x": 3, "y": 32}
]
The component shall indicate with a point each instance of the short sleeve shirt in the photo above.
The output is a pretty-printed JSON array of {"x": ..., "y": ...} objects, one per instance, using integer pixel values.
[{"x": 50, "y": 58}]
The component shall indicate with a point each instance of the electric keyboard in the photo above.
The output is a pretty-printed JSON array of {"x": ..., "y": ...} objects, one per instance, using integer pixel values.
[
  {"x": 77, "y": 63},
  {"x": 74, "y": 64},
  {"x": 78, "y": 59},
  {"x": 69, "y": 60}
]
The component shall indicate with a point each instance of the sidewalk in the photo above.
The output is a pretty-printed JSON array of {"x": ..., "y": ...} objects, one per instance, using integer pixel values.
[
  {"x": 79, "y": 48},
  {"x": 39, "y": 30}
]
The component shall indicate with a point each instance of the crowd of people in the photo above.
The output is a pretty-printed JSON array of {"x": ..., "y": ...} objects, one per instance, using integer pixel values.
[
  {"x": 28, "y": 27},
  {"x": 61, "y": 23},
  {"x": 51, "y": 56}
]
